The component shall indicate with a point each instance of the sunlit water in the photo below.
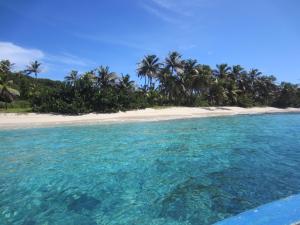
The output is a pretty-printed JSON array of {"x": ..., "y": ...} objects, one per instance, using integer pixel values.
[{"x": 194, "y": 171}]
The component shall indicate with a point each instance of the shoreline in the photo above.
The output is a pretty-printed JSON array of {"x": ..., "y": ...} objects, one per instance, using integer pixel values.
[{"x": 35, "y": 120}]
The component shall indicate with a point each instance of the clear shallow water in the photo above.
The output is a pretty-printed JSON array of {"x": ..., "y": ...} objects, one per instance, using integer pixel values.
[{"x": 194, "y": 171}]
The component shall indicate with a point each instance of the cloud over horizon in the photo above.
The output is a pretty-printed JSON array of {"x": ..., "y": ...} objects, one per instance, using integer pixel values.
[
  {"x": 22, "y": 56},
  {"x": 18, "y": 55}
]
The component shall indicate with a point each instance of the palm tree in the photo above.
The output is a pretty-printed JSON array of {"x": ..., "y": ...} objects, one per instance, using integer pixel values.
[
  {"x": 266, "y": 89},
  {"x": 288, "y": 95},
  {"x": 106, "y": 78},
  {"x": 126, "y": 83},
  {"x": 174, "y": 63},
  {"x": 191, "y": 67},
  {"x": 236, "y": 72},
  {"x": 72, "y": 78},
  {"x": 239, "y": 76},
  {"x": 202, "y": 79},
  {"x": 254, "y": 73},
  {"x": 232, "y": 92},
  {"x": 149, "y": 68},
  {"x": 222, "y": 71},
  {"x": 253, "y": 76},
  {"x": 218, "y": 95},
  {"x": 167, "y": 84},
  {"x": 188, "y": 77},
  {"x": 125, "y": 89},
  {"x": 34, "y": 67},
  {"x": 89, "y": 78},
  {"x": 5, "y": 66},
  {"x": 7, "y": 93}
]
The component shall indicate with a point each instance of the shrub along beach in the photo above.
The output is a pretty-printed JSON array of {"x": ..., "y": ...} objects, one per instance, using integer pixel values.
[{"x": 173, "y": 81}]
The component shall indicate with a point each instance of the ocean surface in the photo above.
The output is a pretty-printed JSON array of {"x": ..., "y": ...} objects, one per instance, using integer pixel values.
[{"x": 193, "y": 171}]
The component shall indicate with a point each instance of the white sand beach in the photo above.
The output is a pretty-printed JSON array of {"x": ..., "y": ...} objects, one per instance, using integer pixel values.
[{"x": 28, "y": 120}]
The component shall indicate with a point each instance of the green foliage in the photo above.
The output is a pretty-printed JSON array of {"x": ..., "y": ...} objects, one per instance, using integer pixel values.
[
  {"x": 173, "y": 82},
  {"x": 15, "y": 110},
  {"x": 288, "y": 96},
  {"x": 7, "y": 92},
  {"x": 201, "y": 102},
  {"x": 33, "y": 68},
  {"x": 19, "y": 104},
  {"x": 245, "y": 101}
]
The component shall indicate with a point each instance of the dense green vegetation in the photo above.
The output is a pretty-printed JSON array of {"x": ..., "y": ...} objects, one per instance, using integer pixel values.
[{"x": 174, "y": 81}]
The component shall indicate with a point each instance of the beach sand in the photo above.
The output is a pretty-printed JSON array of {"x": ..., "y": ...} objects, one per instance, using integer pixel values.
[{"x": 29, "y": 120}]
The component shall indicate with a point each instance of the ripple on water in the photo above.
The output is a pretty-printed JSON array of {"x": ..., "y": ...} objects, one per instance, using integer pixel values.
[{"x": 195, "y": 171}]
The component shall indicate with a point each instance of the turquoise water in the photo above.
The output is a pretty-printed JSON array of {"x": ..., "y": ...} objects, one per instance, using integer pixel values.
[{"x": 195, "y": 171}]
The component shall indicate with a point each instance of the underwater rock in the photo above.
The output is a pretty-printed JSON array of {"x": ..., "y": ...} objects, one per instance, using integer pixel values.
[
  {"x": 82, "y": 202},
  {"x": 175, "y": 203},
  {"x": 29, "y": 222}
]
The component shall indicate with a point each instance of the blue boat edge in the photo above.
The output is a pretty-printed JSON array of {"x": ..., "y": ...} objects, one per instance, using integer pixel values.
[{"x": 281, "y": 212}]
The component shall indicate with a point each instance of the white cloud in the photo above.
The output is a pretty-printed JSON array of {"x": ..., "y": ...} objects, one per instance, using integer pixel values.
[
  {"x": 18, "y": 55},
  {"x": 181, "y": 6},
  {"x": 21, "y": 57},
  {"x": 159, "y": 13},
  {"x": 128, "y": 42},
  {"x": 177, "y": 6},
  {"x": 68, "y": 59},
  {"x": 178, "y": 11}
]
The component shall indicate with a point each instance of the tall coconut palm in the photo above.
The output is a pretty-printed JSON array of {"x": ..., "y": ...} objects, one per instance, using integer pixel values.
[
  {"x": 7, "y": 93},
  {"x": 72, "y": 78},
  {"x": 89, "y": 78},
  {"x": 222, "y": 71},
  {"x": 189, "y": 75},
  {"x": 34, "y": 67},
  {"x": 174, "y": 63},
  {"x": 254, "y": 73},
  {"x": 253, "y": 77},
  {"x": 207, "y": 72},
  {"x": 191, "y": 67},
  {"x": 149, "y": 68},
  {"x": 125, "y": 83},
  {"x": 266, "y": 88},
  {"x": 167, "y": 84},
  {"x": 106, "y": 78},
  {"x": 239, "y": 76},
  {"x": 232, "y": 92},
  {"x": 202, "y": 79},
  {"x": 218, "y": 95},
  {"x": 236, "y": 72}
]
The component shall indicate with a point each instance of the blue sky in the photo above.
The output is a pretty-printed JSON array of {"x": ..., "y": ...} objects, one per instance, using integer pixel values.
[{"x": 82, "y": 35}]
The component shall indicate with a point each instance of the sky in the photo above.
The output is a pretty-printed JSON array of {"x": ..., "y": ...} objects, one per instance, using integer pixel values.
[{"x": 81, "y": 35}]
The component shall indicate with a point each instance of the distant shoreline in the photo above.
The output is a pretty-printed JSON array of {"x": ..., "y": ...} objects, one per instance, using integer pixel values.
[{"x": 32, "y": 120}]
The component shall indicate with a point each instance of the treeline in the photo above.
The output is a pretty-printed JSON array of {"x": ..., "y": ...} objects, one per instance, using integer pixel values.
[{"x": 172, "y": 81}]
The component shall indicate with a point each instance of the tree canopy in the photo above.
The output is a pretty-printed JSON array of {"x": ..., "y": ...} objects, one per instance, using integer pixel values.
[{"x": 172, "y": 81}]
